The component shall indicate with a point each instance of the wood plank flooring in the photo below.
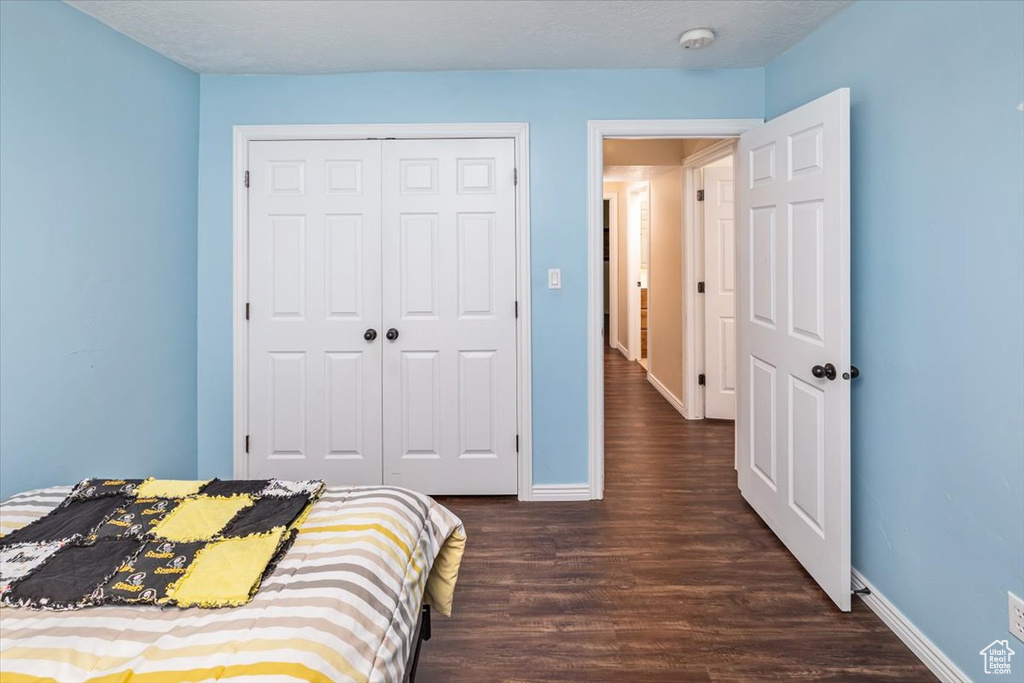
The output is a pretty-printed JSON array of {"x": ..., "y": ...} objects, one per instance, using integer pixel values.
[{"x": 671, "y": 578}]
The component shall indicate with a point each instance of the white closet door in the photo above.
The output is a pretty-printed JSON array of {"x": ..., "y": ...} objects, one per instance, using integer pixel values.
[
  {"x": 720, "y": 294},
  {"x": 449, "y": 294},
  {"x": 314, "y": 291}
]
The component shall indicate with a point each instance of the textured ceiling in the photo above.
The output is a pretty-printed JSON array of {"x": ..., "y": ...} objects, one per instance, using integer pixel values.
[{"x": 332, "y": 36}]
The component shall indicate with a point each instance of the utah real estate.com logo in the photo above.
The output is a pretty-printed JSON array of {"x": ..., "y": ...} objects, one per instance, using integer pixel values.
[{"x": 997, "y": 657}]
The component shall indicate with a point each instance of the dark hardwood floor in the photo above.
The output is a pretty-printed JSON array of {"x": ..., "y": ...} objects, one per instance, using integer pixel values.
[{"x": 672, "y": 577}]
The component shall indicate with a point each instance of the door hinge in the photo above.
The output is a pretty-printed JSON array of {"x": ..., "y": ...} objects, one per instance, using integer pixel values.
[
  {"x": 700, "y": 195},
  {"x": 700, "y": 287},
  {"x": 246, "y": 443},
  {"x": 247, "y": 179},
  {"x": 517, "y": 309},
  {"x": 246, "y": 310},
  {"x": 702, "y": 379},
  {"x": 515, "y": 176},
  {"x": 517, "y": 443}
]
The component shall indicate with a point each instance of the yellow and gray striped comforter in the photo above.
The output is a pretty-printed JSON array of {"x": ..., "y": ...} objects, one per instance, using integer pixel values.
[{"x": 342, "y": 605}]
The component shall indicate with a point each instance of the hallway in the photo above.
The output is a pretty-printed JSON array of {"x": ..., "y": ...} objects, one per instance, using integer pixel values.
[{"x": 671, "y": 578}]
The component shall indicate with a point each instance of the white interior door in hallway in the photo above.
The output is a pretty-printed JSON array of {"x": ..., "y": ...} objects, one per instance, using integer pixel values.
[
  {"x": 638, "y": 227},
  {"x": 720, "y": 293},
  {"x": 381, "y": 329},
  {"x": 793, "y": 333}
]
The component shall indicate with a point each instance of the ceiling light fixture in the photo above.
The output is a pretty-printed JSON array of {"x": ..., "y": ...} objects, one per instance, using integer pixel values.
[{"x": 696, "y": 38}]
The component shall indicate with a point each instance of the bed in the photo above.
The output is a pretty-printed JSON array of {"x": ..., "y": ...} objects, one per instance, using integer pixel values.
[{"x": 349, "y": 601}]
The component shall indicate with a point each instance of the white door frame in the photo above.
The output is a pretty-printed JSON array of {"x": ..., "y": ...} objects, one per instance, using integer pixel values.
[
  {"x": 597, "y": 131},
  {"x": 693, "y": 269},
  {"x": 520, "y": 132},
  {"x": 613, "y": 267}
]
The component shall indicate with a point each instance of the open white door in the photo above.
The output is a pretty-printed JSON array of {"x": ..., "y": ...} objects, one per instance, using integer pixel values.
[
  {"x": 720, "y": 293},
  {"x": 793, "y": 325},
  {"x": 638, "y": 213}
]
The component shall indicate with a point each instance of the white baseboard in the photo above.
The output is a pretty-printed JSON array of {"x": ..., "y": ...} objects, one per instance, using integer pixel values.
[
  {"x": 561, "y": 492},
  {"x": 622, "y": 350},
  {"x": 932, "y": 657},
  {"x": 669, "y": 396}
]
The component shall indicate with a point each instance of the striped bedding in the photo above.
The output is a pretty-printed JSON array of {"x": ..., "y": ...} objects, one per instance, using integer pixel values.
[{"x": 342, "y": 605}]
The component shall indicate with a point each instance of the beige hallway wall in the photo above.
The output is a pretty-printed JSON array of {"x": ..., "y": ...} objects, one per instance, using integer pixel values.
[
  {"x": 665, "y": 305},
  {"x": 653, "y": 152}
]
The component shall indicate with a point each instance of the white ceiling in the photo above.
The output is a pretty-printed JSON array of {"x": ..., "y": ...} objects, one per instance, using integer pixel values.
[{"x": 331, "y": 36}]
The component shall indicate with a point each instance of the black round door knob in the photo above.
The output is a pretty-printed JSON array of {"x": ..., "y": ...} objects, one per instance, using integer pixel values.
[
  {"x": 391, "y": 334},
  {"x": 370, "y": 334},
  {"x": 854, "y": 373},
  {"x": 827, "y": 370}
]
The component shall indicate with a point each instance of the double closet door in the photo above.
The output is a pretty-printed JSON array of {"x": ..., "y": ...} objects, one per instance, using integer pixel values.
[{"x": 382, "y": 331}]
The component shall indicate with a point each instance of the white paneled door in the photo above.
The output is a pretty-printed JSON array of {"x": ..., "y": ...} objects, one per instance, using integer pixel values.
[
  {"x": 382, "y": 332},
  {"x": 449, "y": 316},
  {"x": 793, "y": 318},
  {"x": 720, "y": 294},
  {"x": 314, "y": 291}
]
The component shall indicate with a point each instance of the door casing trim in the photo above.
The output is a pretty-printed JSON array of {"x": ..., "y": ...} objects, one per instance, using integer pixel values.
[
  {"x": 597, "y": 131},
  {"x": 243, "y": 135}
]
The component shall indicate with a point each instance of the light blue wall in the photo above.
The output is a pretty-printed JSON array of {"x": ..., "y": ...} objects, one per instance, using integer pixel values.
[
  {"x": 938, "y": 302},
  {"x": 98, "y": 275},
  {"x": 556, "y": 104},
  {"x": 98, "y": 174}
]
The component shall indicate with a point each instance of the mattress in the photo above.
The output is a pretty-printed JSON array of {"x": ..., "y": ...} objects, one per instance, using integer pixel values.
[{"x": 342, "y": 605}]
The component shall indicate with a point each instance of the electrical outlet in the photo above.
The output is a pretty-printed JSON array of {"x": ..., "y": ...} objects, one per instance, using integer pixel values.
[{"x": 1016, "y": 616}]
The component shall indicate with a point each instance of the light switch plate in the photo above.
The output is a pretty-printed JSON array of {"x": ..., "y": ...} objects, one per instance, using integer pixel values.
[{"x": 554, "y": 278}]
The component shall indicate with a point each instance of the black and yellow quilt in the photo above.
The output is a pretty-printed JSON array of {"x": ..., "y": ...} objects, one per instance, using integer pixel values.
[{"x": 155, "y": 542}]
